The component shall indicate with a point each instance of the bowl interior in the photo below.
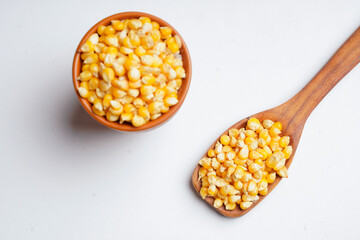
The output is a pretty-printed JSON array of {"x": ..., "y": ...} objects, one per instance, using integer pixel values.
[{"x": 181, "y": 92}]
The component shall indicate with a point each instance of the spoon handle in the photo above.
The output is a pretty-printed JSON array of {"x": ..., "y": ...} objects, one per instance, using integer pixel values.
[{"x": 345, "y": 59}]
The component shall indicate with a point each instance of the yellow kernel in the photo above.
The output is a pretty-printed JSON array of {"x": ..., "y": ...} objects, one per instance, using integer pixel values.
[
  {"x": 253, "y": 124},
  {"x": 264, "y": 134},
  {"x": 230, "y": 206},
  {"x": 263, "y": 153},
  {"x": 234, "y": 133},
  {"x": 227, "y": 149},
  {"x": 254, "y": 155},
  {"x": 280, "y": 164},
  {"x": 155, "y": 35},
  {"x": 97, "y": 112},
  {"x": 238, "y": 185},
  {"x": 234, "y": 198},
  {"x": 283, "y": 172},
  {"x": 138, "y": 121},
  {"x": 173, "y": 47},
  {"x": 106, "y": 100},
  {"x": 134, "y": 74},
  {"x": 129, "y": 108},
  {"x": 140, "y": 51},
  {"x": 267, "y": 123},
  {"x": 245, "y": 205},
  {"x": 126, "y": 117},
  {"x": 147, "y": 42},
  {"x": 83, "y": 92},
  {"x": 154, "y": 108},
  {"x": 117, "y": 93},
  {"x": 264, "y": 191},
  {"x": 274, "y": 146},
  {"x": 284, "y": 141},
  {"x": 102, "y": 56},
  {"x": 108, "y": 74},
  {"x": 85, "y": 76},
  {"x": 225, "y": 139},
  {"x": 87, "y": 47},
  {"x": 144, "y": 112},
  {"x": 212, "y": 190},
  {"x": 180, "y": 72},
  {"x": 271, "y": 177},
  {"x": 218, "y": 203},
  {"x": 155, "y": 25},
  {"x": 244, "y": 153},
  {"x": 92, "y": 58},
  {"x": 117, "y": 25},
  {"x": 138, "y": 102},
  {"x": 170, "y": 101},
  {"x": 254, "y": 167},
  {"x": 100, "y": 30},
  {"x": 91, "y": 97},
  {"x": 278, "y": 125},
  {"x": 94, "y": 69},
  {"x": 165, "y": 31},
  {"x": 145, "y": 20},
  {"x": 111, "y": 117},
  {"x": 225, "y": 190},
  {"x": 135, "y": 24},
  {"x": 85, "y": 67},
  {"x": 287, "y": 151},
  {"x": 203, "y": 192},
  {"x": 93, "y": 83},
  {"x": 85, "y": 85},
  {"x": 271, "y": 161},
  {"x": 274, "y": 131},
  {"x": 109, "y": 30},
  {"x": 211, "y": 153},
  {"x": 112, "y": 50}
]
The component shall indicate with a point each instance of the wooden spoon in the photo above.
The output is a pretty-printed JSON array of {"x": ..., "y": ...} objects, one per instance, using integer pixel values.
[{"x": 294, "y": 113}]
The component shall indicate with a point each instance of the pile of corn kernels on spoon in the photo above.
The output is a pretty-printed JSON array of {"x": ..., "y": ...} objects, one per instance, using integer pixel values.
[{"x": 243, "y": 163}]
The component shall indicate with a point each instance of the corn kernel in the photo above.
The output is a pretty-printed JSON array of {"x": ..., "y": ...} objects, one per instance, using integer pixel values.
[
  {"x": 283, "y": 172},
  {"x": 83, "y": 92},
  {"x": 271, "y": 177},
  {"x": 203, "y": 192},
  {"x": 253, "y": 124},
  {"x": 87, "y": 47},
  {"x": 85, "y": 76},
  {"x": 134, "y": 74},
  {"x": 117, "y": 25},
  {"x": 109, "y": 30},
  {"x": 287, "y": 151},
  {"x": 135, "y": 24},
  {"x": 108, "y": 74},
  {"x": 111, "y": 117},
  {"x": 165, "y": 31},
  {"x": 100, "y": 30},
  {"x": 245, "y": 205},
  {"x": 218, "y": 202},
  {"x": 225, "y": 140}
]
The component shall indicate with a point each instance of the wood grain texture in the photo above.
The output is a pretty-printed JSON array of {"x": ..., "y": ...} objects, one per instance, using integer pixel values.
[{"x": 294, "y": 113}]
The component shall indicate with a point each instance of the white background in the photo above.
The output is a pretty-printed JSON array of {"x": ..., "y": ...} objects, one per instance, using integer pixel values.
[{"x": 64, "y": 176}]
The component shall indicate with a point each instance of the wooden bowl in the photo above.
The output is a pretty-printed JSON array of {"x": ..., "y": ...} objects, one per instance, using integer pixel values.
[{"x": 181, "y": 92}]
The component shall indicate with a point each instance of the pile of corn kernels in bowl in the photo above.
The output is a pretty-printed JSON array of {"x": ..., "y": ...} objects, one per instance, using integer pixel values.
[
  {"x": 243, "y": 163},
  {"x": 131, "y": 71}
]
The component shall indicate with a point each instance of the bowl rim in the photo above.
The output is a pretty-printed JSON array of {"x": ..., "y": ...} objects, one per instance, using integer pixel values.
[{"x": 126, "y": 126}]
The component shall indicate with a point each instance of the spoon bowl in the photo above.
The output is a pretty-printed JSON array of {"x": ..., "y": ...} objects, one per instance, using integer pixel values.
[{"x": 294, "y": 113}]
